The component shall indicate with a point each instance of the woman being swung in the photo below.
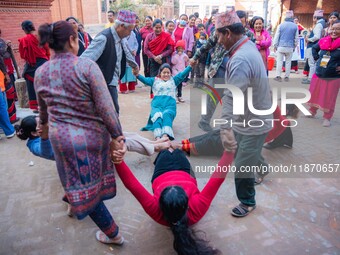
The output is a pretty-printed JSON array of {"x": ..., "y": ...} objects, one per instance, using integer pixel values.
[
  {"x": 158, "y": 46},
  {"x": 176, "y": 201},
  {"x": 75, "y": 102}
]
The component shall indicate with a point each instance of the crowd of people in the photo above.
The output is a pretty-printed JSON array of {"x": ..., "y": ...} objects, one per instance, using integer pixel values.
[{"x": 74, "y": 81}]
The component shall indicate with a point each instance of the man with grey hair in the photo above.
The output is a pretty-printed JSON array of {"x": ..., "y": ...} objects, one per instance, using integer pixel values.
[
  {"x": 285, "y": 41},
  {"x": 110, "y": 51},
  {"x": 312, "y": 40}
]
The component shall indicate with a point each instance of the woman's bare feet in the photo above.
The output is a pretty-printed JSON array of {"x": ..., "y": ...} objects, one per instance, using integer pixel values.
[
  {"x": 162, "y": 146},
  {"x": 165, "y": 137},
  {"x": 160, "y": 140},
  {"x": 176, "y": 145}
]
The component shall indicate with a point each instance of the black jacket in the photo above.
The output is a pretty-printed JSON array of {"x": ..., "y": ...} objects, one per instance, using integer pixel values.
[{"x": 330, "y": 70}]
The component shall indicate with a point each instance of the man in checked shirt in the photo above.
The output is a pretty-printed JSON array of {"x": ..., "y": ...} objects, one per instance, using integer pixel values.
[{"x": 110, "y": 51}]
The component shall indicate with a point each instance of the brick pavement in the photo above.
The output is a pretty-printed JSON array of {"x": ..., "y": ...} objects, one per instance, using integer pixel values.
[{"x": 294, "y": 215}]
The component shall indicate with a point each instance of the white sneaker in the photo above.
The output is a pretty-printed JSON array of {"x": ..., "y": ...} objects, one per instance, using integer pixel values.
[
  {"x": 326, "y": 123},
  {"x": 10, "y": 136}
]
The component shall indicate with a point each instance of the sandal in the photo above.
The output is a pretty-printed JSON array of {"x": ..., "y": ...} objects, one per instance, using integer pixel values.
[
  {"x": 69, "y": 211},
  {"x": 242, "y": 210},
  {"x": 259, "y": 178},
  {"x": 101, "y": 237}
]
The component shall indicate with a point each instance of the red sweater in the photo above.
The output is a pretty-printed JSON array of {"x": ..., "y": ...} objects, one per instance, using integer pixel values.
[
  {"x": 199, "y": 202},
  {"x": 30, "y": 50}
]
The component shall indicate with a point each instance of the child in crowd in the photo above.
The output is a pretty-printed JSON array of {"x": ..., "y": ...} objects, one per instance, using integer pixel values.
[
  {"x": 179, "y": 61},
  {"x": 163, "y": 105},
  {"x": 169, "y": 27},
  {"x": 201, "y": 29},
  {"x": 200, "y": 67}
]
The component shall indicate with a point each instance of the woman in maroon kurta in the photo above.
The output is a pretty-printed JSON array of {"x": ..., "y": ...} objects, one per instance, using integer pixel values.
[{"x": 74, "y": 99}]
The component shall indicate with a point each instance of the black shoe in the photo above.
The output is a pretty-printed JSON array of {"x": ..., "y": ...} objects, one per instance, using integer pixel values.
[
  {"x": 287, "y": 146},
  {"x": 270, "y": 146},
  {"x": 204, "y": 126},
  {"x": 16, "y": 120}
]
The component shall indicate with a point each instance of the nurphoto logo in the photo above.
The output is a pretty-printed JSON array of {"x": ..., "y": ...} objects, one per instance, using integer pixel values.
[{"x": 239, "y": 99}]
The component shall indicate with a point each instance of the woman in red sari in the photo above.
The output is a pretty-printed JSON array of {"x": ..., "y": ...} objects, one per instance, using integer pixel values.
[
  {"x": 158, "y": 46},
  {"x": 35, "y": 56}
]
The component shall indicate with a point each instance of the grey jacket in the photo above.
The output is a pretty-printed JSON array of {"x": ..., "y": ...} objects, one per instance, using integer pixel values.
[
  {"x": 245, "y": 70},
  {"x": 286, "y": 35}
]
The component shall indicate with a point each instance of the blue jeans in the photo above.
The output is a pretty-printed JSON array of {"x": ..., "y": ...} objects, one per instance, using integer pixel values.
[{"x": 5, "y": 123}]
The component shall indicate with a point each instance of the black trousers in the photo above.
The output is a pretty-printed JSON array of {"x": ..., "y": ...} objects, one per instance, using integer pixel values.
[
  {"x": 114, "y": 94},
  {"x": 208, "y": 144},
  {"x": 167, "y": 161},
  {"x": 146, "y": 65}
]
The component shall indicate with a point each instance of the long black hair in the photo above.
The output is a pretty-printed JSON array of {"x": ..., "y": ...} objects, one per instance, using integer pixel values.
[
  {"x": 27, "y": 26},
  {"x": 157, "y": 21},
  {"x": 336, "y": 14},
  {"x": 26, "y": 127},
  {"x": 173, "y": 203},
  {"x": 163, "y": 66},
  {"x": 56, "y": 34},
  {"x": 252, "y": 22}
]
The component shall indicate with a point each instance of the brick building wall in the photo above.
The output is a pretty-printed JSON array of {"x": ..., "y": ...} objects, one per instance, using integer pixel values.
[
  {"x": 92, "y": 12},
  {"x": 305, "y": 11},
  {"x": 14, "y": 12},
  {"x": 61, "y": 9},
  {"x": 88, "y": 12}
]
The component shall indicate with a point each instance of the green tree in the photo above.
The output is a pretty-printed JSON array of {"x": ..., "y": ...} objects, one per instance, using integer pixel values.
[
  {"x": 128, "y": 5},
  {"x": 123, "y": 5},
  {"x": 156, "y": 2}
]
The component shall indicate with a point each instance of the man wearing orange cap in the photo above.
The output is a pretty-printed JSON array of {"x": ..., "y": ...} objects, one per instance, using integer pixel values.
[
  {"x": 244, "y": 70},
  {"x": 313, "y": 39}
]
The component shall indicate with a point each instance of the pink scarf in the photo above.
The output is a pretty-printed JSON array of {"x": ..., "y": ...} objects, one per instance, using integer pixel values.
[{"x": 327, "y": 43}]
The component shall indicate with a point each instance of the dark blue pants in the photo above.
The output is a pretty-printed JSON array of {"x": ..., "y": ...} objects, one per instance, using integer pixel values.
[
  {"x": 248, "y": 154},
  {"x": 103, "y": 219}
]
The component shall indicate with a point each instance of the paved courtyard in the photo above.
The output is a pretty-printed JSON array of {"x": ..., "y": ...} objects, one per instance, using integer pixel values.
[{"x": 296, "y": 214}]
